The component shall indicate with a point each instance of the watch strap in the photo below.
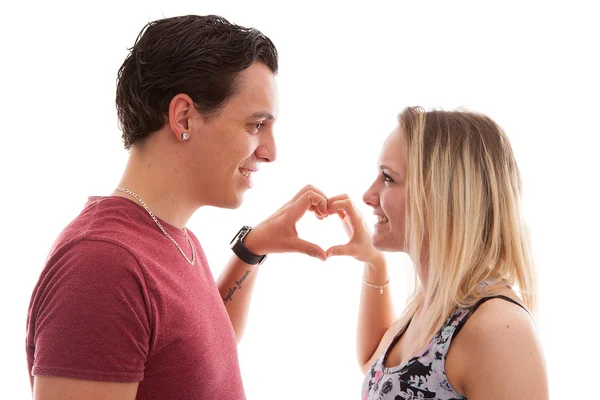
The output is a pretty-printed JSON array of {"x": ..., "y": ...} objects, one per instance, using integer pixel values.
[{"x": 240, "y": 249}]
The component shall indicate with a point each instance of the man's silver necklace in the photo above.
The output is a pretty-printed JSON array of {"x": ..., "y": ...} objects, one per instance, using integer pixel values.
[{"x": 139, "y": 199}]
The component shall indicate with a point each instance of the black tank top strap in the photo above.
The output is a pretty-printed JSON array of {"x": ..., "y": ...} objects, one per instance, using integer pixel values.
[{"x": 464, "y": 320}]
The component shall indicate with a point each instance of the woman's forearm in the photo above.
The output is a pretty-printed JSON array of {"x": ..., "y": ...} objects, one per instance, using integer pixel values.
[{"x": 376, "y": 311}]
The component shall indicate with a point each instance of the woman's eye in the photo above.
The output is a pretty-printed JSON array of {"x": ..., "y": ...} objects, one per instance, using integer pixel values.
[{"x": 387, "y": 178}]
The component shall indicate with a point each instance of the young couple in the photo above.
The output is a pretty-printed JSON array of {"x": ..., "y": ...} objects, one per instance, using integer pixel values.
[{"x": 126, "y": 306}]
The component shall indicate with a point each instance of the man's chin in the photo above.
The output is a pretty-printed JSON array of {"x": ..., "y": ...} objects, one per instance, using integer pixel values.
[
  {"x": 235, "y": 202},
  {"x": 230, "y": 203}
]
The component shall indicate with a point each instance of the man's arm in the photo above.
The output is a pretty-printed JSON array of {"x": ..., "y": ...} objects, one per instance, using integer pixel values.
[
  {"x": 81, "y": 349},
  {"x": 236, "y": 284},
  {"x": 276, "y": 234},
  {"x": 57, "y": 388}
]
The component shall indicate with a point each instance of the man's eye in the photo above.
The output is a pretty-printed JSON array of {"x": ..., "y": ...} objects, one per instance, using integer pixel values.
[{"x": 256, "y": 127}]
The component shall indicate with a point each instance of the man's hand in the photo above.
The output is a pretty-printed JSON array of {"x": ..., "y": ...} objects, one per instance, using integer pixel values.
[{"x": 278, "y": 234}]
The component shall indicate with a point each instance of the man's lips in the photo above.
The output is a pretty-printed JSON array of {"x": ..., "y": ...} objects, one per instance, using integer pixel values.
[{"x": 247, "y": 174}]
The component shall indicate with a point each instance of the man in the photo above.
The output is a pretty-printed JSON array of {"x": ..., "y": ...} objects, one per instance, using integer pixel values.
[{"x": 126, "y": 306}]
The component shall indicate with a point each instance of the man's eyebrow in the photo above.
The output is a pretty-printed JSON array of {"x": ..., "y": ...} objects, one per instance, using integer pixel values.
[{"x": 262, "y": 115}]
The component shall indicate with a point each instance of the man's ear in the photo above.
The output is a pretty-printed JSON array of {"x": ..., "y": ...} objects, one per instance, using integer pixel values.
[{"x": 181, "y": 111}]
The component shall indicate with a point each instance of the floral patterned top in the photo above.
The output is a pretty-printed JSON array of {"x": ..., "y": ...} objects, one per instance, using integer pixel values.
[{"x": 423, "y": 376}]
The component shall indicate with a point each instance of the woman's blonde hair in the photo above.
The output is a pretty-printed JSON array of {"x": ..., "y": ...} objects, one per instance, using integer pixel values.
[{"x": 463, "y": 212}]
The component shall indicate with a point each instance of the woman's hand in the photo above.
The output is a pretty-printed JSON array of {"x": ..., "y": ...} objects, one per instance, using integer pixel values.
[{"x": 359, "y": 246}]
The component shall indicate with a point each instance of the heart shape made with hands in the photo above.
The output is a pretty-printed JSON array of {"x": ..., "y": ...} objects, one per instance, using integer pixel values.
[
  {"x": 325, "y": 233},
  {"x": 355, "y": 241},
  {"x": 280, "y": 232}
]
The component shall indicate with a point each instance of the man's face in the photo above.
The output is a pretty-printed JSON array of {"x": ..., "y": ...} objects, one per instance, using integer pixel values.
[{"x": 232, "y": 144}]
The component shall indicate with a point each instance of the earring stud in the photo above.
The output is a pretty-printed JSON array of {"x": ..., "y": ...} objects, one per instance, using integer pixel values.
[{"x": 185, "y": 136}]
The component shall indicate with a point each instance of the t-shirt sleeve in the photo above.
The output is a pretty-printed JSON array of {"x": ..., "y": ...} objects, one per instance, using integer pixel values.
[{"x": 92, "y": 315}]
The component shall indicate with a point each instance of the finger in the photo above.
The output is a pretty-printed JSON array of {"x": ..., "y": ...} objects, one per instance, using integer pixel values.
[
  {"x": 353, "y": 221},
  {"x": 306, "y": 189},
  {"x": 302, "y": 246},
  {"x": 307, "y": 201},
  {"x": 347, "y": 224},
  {"x": 298, "y": 195},
  {"x": 333, "y": 199},
  {"x": 342, "y": 250},
  {"x": 347, "y": 207},
  {"x": 317, "y": 212}
]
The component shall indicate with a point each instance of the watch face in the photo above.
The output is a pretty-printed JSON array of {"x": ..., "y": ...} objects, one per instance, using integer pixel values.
[
  {"x": 241, "y": 234},
  {"x": 236, "y": 236},
  {"x": 244, "y": 231}
]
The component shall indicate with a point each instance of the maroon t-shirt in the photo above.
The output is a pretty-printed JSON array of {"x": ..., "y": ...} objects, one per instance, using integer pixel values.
[{"x": 117, "y": 302}]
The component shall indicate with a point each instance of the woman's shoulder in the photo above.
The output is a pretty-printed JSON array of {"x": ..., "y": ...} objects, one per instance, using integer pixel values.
[
  {"x": 494, "y": 317},
  {"x": 498, "y": 344}
]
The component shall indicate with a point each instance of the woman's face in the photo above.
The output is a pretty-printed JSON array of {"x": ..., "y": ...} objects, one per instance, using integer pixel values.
[{"x": 387, "y": 194}]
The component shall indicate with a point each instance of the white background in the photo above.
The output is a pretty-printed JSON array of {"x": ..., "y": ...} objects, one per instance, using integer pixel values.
[{"x": 345, "y": 72}]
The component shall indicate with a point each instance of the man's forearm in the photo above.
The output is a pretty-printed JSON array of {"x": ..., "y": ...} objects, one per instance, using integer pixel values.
[
  {"x": 276, "y": 234},
  {"x": 236, "y": 284}
]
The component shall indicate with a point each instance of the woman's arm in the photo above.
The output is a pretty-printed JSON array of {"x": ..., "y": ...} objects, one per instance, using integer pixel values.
[
  {"x": 375, "y": 314},
  {"x": 376, "y": 311}
]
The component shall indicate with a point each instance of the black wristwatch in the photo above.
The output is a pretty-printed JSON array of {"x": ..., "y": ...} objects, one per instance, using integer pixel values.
[{"x": 240, "y": 250}]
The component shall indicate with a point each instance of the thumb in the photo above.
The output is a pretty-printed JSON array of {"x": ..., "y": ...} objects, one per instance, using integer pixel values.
[
  {"x": 342, "y": 250},
  {"x": 302, "y": 246}
]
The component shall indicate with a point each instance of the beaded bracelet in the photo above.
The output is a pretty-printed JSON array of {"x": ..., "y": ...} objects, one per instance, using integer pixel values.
[{"x": 380, "y": 287}]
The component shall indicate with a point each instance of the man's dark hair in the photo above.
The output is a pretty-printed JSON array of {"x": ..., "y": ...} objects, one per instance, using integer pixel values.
[{"x": 200, "y": 56}]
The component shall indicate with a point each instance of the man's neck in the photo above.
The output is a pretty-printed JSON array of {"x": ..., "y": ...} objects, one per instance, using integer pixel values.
[{"x": 155, "y": 180}]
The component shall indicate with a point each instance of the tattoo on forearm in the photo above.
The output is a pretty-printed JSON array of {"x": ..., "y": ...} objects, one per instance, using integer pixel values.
[{"x": 234, "y": 288}]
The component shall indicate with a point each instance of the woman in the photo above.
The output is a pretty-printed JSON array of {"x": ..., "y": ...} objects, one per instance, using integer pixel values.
[{"x": 448, "y": 194}]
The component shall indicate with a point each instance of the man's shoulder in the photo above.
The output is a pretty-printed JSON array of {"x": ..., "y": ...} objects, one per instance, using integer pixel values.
[
  {"x": 103, "y": 225},
  {"x": 103, "y": 218}
]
